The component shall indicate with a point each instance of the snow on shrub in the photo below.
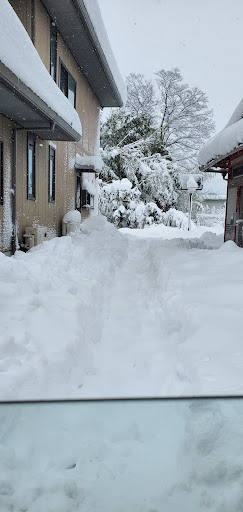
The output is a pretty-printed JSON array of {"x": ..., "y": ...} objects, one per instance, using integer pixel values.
[
  {"x": 118, "y": 201},
  {"x": 152, "y": 214},
  {"x": 122, "y": 206},
  {"x": 176, "y": 219}
]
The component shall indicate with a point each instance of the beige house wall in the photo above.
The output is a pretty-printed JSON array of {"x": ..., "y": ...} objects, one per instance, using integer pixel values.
[
  {"x": 41, "y": 212},
  {"x": 23, "y": 9},
  {"x": 6, "y": 127}
]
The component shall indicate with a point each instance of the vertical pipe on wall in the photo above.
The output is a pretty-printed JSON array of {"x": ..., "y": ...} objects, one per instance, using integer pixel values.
[{"x": 14, "y": 188}]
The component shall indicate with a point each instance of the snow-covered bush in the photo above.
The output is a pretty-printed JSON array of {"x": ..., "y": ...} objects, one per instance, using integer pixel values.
[
  {"x": 118, "y": 202},
  {"x": 152, "y": 214},
  {"x": 175, "y": 219},
  {"x": 122, "y": 206},
  {"x": 147, "y": 188}
]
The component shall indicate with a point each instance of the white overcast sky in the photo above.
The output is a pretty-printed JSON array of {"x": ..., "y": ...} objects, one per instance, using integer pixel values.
[{"x": 203, "y": 38}]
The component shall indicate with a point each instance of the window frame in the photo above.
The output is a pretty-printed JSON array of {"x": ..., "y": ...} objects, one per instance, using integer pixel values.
[
  {"x": 69, "y": 75},
  {"x": 52, "y": 176},
  {"x": 31, "y": 143},
  {"x": 89, "y": 200},
  {"x": 78, "y": 191},
  {"x": 1, "y": 173},
  {"x": 53, "y": 39}
]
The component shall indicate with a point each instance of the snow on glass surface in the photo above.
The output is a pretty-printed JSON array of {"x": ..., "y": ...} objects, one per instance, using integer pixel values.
[
  {"x": 129, "y": 455},
  {"x": 19, "y": 55}
]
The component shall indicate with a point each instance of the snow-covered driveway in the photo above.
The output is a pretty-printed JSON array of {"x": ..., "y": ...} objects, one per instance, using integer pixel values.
[{"x": 110, "y": 314}]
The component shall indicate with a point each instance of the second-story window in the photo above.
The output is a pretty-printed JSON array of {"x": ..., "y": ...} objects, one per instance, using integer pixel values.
[
  {"x": 67, "y": 84},
  {"x": 1, "y": 173},
  {"x": 31, "y": 168},
  {"x": 53, "y": 51}
]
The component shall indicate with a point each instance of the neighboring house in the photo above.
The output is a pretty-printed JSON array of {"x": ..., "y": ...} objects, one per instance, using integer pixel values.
[
  {"x": 57, "y": 71},
  {"x": 223, "y": 153}
]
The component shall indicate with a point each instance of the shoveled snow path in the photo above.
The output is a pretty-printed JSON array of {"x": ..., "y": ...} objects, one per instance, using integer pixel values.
[
  {"x": 105, "y": 314},
  {"x": 160, "y": 328}
]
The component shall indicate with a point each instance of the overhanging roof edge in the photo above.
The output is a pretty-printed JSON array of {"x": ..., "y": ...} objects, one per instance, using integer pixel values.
[
  {"x": 78, "y": 9},
  {"x": 28, "y": 97},
  {"x": 220, "y": 159},
  {"x": 101, "y": 56}
]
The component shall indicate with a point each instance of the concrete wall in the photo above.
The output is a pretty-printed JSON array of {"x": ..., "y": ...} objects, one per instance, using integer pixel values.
[{"x": 41, "y": 212}]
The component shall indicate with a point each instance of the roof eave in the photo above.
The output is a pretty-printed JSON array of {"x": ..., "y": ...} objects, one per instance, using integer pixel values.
[
  {"x": 220, "y": 161},
  {"x": 21, "y": 105},
  {"x": 79, "y": 34}
]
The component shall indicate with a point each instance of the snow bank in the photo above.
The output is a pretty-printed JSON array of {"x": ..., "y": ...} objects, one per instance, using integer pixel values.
[
  {"x": 97, "y": 22},
  {"x": 19, "y": 55}
]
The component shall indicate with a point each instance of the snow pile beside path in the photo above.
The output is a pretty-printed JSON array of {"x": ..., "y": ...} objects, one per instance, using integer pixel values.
[{"x": 53, "y": 308}]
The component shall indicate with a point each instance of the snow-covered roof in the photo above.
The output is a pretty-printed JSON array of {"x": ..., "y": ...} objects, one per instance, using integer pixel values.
[
  {"x": 94, "y": 162},
  {"x": 19, "y": 55},
  {"x": 81, "y": 26},
  {"x": 225, "y": 142},
  {"x": 215, "y": 187},
  {"x": 99, "y": 28}
]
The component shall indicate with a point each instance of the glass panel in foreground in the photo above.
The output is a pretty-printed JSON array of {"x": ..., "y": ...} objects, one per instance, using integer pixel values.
[{"x": 122, "y": 456}]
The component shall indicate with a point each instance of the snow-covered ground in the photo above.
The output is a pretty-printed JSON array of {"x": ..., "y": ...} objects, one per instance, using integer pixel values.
[{"x": 103, "y": 313}]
